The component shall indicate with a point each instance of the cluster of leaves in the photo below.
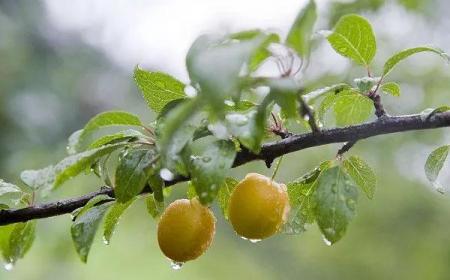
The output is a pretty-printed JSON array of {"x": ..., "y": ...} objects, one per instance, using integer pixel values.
[{"x": 200, "y": 127}]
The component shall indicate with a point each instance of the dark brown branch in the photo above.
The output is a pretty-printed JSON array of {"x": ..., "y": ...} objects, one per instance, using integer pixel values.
[
  {"x": 385, "y": 125},
  {"x": 306, "y": 110}
]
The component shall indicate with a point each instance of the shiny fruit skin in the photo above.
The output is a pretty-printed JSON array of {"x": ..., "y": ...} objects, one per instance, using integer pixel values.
[
  {"x": 258, "y": 207},
  {"x": 185, "y": 230}
]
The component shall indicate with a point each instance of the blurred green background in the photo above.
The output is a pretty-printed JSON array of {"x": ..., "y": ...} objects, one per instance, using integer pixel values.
[{"x": 61, "y": 64}]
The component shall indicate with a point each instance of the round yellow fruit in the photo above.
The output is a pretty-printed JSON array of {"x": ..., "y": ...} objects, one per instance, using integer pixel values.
[
  {"x": 185, "y": 230},
  {"x": 258, "y": 207}
]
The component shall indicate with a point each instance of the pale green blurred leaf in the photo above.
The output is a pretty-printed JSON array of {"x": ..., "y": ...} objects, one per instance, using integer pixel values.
[
  {"x": 299, "y": 36},
  {"x": 155, "y": 208}
]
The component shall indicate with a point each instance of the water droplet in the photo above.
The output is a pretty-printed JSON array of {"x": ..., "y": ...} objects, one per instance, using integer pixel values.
[
  {"x": 9, "y": 266},
  {"x": 206, "y": 159},
  {"x": 166, "y": 174},
  {"x": 306, "y": 118},
  {"x": 213, "y": 187},
  {"x": 327, "y": 242},
  {"x": 237, "y": 119},
  {"x": 190, "y": 91},
  {"x": 105, "y": 241},
  {"x": 203, "y": 194},
  {"x": 176, "y": 265},
  {"x": 351, "y": 204},
  {"x": 229, "y": 103},
  {"x": 254, "y": 241}
]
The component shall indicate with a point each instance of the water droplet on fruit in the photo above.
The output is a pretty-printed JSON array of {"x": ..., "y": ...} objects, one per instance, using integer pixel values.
[
  {"x": 254, "y": 240},
  {"x": 327, "y": 242},
  {"x": 9, "y": 266},
  {"x": 166, "y": 174},
  {"x": 176, "y": 265}
]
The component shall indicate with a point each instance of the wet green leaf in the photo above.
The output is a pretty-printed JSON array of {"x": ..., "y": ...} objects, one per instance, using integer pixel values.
[
  {"x": 435, "y": 162},
  {"x": 208, "y": 165},
  {"x": 132, "y": 172},
  {"x": 335, "y": 202},
  {"x": 84, "y": 228},
  {"x": 362, "y": 174},
  {"x": 112, "y": 218},
  {"x": 79, "y": 140}
]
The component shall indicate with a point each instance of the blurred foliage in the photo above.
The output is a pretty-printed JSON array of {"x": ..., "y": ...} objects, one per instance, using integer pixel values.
[{"x": 402, "y": 234}]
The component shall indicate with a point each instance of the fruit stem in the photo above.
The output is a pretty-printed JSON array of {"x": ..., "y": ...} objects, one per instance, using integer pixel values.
[{"x": 275, "y": 171}]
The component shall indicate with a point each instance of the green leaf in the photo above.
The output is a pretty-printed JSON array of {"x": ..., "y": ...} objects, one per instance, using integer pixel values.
[
  {"x": 208, "y": 165},
  {"x": 396, "y": 58},
  {"x": 96, "y": 200},
  {"x": 157, "y": 185},
  {"x": 132, "y": 172},
  {"x": 10, "y": 194},
  {"x": 158, "y": 88},
  {"x": 102, "y": 120},
  {"x": 391, "y": 88},
  {"x": 362, "y": 174},
  {"x": 335, "y": 199},
  {"x": 155, "y": 208},
  {"x": 300, "y": 194},
  {"x": 352, "y": 108},
  {"x": 175, "y": 130},
  {"x": 250, "y": 127},
  {"x": 84, "y": 228},
  {"x": 16, "y": 240},
  {"x": 122, "y": 136},
  {"x": 353, "y": 37},
  {"x": 21, "y": 240},
  {"x": 299, "y": 36},
  {"x": 435, "y": 162},
  {"x": 223, "y": 197},
  {"x": 112, "y": 218},
  {"x": 223, "y": 57},
  {"x": 75, "y": 164}
]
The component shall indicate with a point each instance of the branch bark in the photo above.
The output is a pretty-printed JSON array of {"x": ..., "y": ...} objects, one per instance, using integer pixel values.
[{"x": 269, "y": 151}]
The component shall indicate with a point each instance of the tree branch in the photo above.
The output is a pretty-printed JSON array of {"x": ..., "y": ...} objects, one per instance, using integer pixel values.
[{"x": 269, "y": 151}]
